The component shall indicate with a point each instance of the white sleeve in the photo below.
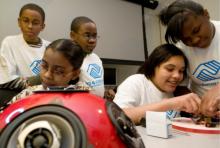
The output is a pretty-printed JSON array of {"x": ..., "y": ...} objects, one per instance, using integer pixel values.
[
  {"x": 6, "y": 52},
  {"x": 99, "y": 90},
  {"x": 128, "y": 93},
  {"x": 4, "y": 73}
]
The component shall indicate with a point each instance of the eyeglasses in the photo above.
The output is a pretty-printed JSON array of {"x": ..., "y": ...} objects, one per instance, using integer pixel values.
[
  {"x": 90, "y": 36},
  {"x": 55, "y": 71}
]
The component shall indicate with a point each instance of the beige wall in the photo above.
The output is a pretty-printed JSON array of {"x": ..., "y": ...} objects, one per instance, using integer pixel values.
[{"x": 213, "y": 6}]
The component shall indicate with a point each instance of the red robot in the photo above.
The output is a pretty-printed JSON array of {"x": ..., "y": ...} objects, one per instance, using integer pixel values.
[{"x": 66, "y": 119}]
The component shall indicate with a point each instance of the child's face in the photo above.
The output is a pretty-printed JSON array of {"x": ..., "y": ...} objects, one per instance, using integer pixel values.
[
  {"x": 86, "y": 37},
  {"x": 197, "y": 31},
  {"x": 169, "y": 74},
  {"x": 56, "y": 70},
  {"x": 31, "y": 24}
]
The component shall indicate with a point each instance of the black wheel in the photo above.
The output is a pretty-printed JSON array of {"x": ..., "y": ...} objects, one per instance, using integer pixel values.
[
  {"x": 45, "y": 127},
  {"x": 124, "y": 126}
]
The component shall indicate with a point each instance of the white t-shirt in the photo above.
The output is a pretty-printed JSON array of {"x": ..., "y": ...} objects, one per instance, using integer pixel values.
[
  {"x": 92, "y": 74},
  {"x": 204, "y": 69},
  {"x": 137, "y": 90},
  {"x": 22, "y": 60}
]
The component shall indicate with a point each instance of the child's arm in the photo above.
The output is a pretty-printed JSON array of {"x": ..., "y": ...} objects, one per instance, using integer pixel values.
[
  {"x": 189, "y": 103},
  {"x": 16, "y": 84},
  {"x": 26, "y": 92}
]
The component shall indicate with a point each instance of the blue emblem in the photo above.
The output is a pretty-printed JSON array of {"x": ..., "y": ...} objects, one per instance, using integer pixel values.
[
  {"x": 35, "y": 67},
  {"x": 94, "y": 71},
  {"x": 208, "y": 71},
  {"x": 171, "y": 114}
]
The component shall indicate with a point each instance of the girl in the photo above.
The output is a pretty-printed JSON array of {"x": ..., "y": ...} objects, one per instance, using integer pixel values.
[
  {"x": 155, "y": 83},
  {"x": 60, "y": 64},
  {"x": 187, "y": 21}
]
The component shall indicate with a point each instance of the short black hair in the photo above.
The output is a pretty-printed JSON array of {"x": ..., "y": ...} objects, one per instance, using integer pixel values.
[
  {"x": 71, "y": 51},
  {"x": 78, "y": 21},
  {"x": 160, "y": 55},
  {"x": 174, "y": 16},
  {"x": 35, "y": 7}
]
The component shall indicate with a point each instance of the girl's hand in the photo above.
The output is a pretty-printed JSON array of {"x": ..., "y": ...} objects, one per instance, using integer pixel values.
[{"x": 189, "y": 103}]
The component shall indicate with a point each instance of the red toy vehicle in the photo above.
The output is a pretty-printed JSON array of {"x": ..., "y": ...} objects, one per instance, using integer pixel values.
[{"x": 53, "y": 119}]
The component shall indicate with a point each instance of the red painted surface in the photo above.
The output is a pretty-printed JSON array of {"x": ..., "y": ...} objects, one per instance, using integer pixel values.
[{"x": 90, "y": 108}]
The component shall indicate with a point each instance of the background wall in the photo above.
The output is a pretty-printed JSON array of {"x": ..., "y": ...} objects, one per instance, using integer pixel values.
[{"x": 119, "y": 23}]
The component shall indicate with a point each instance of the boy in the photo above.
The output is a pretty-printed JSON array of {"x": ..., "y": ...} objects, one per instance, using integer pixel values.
[
  {"x": 84, "y": 33},
  {"x": 22, "y": 53}
]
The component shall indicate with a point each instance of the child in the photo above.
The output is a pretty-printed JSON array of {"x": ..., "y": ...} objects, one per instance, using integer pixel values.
[
  {"x": 156, "y": 82},
  {"x": 23, "y": 52},
  {"x": 84, "y": 33},
  {"x": 60, "y": 64},
  {"x": 188, "y": 22}
]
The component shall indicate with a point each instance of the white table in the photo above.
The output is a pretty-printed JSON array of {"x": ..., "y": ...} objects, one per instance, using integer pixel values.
[{"x": 180, "y": 140}]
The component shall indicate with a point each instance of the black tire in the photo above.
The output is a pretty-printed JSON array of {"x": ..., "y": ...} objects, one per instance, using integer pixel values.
[
  {"x": 124, "y": 126},
  {"x": 70, "y": 127}
]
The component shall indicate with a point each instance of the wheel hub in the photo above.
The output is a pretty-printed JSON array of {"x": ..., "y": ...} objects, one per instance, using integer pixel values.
[
  {"x": 40, "y": 134},
  {"x": 41, "y": 137}
]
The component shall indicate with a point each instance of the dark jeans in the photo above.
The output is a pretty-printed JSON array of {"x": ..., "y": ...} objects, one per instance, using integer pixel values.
[{"x": 6, "y": 95}]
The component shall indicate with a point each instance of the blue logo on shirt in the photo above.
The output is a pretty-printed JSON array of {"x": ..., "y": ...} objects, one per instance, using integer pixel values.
[
  {"x": 208, "y": 71},
  {"x": 35, "y": 67},
  {"x": 171, "y": 114},
  {"x": 94, "y": 71},
  {"x": 95, "y": 83}
]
